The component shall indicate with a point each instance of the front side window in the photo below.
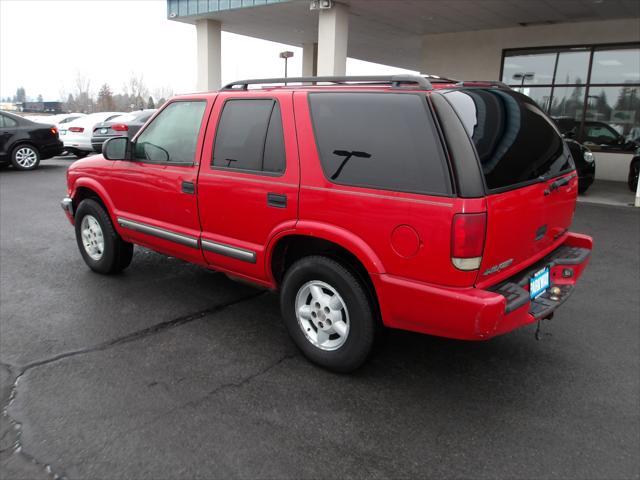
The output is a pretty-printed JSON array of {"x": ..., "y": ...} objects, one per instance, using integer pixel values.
[
  {"x": 379, "y": 140},
  {"x": 515, "y": 140},
  {"x": 250, "y": 137},
  {"x": 173, "y": 136}
]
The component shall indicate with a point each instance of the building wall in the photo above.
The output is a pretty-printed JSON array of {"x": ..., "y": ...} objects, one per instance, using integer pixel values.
[{"x": 477, "y": 55}]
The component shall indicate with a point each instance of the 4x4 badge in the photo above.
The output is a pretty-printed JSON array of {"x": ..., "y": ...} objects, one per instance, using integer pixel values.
[{"x": 497, "y": 268}]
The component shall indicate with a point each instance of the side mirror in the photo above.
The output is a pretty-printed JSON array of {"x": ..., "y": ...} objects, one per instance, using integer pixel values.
[{"x": 117, "y": 148}]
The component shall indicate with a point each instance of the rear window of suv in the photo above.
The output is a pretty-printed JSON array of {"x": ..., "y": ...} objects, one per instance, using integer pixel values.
[
  {"x": 516, "y": 142},
  {"x": 379, "y": 140}
]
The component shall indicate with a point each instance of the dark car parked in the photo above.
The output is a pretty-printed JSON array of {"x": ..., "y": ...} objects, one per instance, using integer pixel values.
[
  {"x": 595, "y": 134},
  {"x": 585, "y": 164},
  {"x": 122, "y": 126},
  {"x": 634, "y": 171},
  {"x": 24, "y": 143}
]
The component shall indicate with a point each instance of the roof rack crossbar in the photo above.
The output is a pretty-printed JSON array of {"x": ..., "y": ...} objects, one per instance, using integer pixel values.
[
  {"x": 396, "y": 81},
  {"x": 491, "y": 83}
]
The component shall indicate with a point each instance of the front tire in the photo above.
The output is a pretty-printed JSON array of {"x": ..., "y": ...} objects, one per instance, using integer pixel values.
[
  {"x": 328, "y": 313},
  {"x": 100, "y": 245},
  {"x": 25, "y": 157}
]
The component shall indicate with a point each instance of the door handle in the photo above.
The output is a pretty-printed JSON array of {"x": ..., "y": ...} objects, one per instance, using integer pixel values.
[
  {"x": 188, "y": 187},
  {"x": 276, "y": 200}
]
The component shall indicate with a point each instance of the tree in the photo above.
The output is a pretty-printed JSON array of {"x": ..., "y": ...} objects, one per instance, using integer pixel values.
[
  {"x": 40, "y": 98},
  {"x": 161, "y": 102},
  {"x": 21, "y": 96},
  {"x": 70, "y": 104},
  {"x": 137, "y": 91},
  {"x": 150, "y": 103},
  {"x": 162, "y": 93},
  {"x": 83, "y": 100},
  {"x": 105, "y": 101}
]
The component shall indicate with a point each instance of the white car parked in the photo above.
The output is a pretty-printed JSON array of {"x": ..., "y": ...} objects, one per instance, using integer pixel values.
[{"x": 76, "y": 135}]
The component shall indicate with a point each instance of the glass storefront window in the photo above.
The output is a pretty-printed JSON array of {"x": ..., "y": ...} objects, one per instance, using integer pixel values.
[
  {"x": 616, "y": 66},
  {"x": 529, "y": 69},
  {"x": 568, "y": 102},
  {"x": 572, "y": 67},
  {"x": 592, "y": 92},
  {"x": 540, "y": 95},
  {"x": 613, "y": 109}
]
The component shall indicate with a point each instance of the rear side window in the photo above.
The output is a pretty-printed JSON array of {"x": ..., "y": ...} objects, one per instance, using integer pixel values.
[
  {"x": 515, "y": 140},
  {"x": 379, "y": 140},
  {"x": 173, "y": 135},
  {"x": 250, "y": 137}
]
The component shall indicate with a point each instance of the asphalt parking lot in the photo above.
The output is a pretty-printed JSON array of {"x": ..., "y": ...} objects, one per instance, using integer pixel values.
[{"x": 172, "y": 371}]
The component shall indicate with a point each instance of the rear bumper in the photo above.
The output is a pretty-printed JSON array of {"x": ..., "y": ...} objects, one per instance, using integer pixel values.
[
  {"x": 478, "y": 314},
  {"x": 51, "y": 150}
]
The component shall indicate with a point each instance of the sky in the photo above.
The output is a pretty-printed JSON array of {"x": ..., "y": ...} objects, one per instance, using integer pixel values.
[{"x": 46, "y": 44}]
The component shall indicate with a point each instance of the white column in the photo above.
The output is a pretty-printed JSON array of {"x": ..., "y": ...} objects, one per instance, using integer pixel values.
[
  {"x": 333, "y": 35},
  {"x": 209, "y": 54},
  {"x": 309, "y": 59}
]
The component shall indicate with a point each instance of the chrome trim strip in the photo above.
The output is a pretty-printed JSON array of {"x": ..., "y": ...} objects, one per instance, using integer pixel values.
[
  {"x": 67, "y": 205},
  {"x": 159, "y": 232},
  {"x": 229, "y": 251}
]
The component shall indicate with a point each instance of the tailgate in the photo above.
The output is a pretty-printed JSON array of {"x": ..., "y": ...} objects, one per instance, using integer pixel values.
[{"x": 523, "y": 225}]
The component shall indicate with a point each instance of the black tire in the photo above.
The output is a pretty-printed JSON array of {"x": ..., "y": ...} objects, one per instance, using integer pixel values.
[
  {"x": 361, "y": 312},
  {"x": 583, "y": 188},
  {"x": 117, "y": 254},
  {"x": 80, "y": 153},
  {"x": 634, "y": 170},
  {"x": 18, "y": 157}
]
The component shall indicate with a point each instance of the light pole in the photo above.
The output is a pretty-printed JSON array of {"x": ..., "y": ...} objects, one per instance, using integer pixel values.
[
  {"x": 522, "y": 76},
  {"x": 286, "y": 55}
]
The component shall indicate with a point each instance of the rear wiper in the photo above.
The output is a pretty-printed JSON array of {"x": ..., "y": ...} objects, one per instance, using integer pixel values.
[{"x": 347, "y": 156}]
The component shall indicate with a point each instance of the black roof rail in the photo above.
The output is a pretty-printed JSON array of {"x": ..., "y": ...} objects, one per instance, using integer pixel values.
[
  {"x": 482, "y": 83},
  {"x": 396, "y": 81}
]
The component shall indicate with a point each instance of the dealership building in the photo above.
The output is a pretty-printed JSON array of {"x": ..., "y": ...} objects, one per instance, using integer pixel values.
[{"x": 578, "y": 59}]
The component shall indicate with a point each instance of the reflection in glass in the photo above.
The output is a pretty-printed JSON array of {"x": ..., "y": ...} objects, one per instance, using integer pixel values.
[
  {"x": 540, "y": 95},
  {"x": 618, "y": 107},
  {"x": 572, "y": 67},
  {"x": 568, "y": 102},
  {"x": 616, "y": 66},
  {"x": 529, "y": 69}
]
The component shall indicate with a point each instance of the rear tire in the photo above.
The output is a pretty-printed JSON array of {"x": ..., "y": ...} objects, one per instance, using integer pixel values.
[
  {"x": 100, "y": 245},
  {"x": 25, "y": 157},
  {"x": 328, "y": 313}
]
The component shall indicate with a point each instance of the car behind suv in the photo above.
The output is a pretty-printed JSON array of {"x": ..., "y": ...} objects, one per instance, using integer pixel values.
[{"x": 440, "y": 208}]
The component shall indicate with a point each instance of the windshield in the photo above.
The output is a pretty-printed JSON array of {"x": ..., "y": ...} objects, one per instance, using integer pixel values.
[{"x": 516, "y": 142}]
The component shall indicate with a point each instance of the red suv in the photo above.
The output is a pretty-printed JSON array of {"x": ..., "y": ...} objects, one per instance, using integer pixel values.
[{"x": 432, "y": 206}]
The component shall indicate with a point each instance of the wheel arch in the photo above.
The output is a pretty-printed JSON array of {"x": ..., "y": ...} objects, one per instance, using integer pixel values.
[
  {"x": 88, "y": 188},
  {"x": 294, "y": 245}
]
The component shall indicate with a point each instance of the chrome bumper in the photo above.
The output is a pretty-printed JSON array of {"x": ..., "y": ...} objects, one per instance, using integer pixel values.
[{"x": 67, "y": 205}]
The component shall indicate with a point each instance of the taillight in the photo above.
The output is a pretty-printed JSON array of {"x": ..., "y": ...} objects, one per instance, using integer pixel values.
[
  {"x": 467, "y": 240},
  {"x": 76, "y": 129},
  {"x": 119, "y": 127},
  {"x": 54, "y": 131}
]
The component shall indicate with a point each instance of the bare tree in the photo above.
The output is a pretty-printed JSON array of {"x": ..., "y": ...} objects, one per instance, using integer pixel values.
[
  {"x": 161, "y": 94},
  {"x": 82, "y": 97},
  {"x": 137, "y": 91}
]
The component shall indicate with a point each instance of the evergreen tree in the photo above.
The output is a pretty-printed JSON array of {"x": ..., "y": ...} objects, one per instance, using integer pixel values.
[
  {"x": 21, "y": 96},
  {"x": 150, "y": 103},
  {"x": 105, "y": 99}
]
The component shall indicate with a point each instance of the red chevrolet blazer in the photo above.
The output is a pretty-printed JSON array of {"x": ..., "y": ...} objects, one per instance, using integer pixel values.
[{"x": 432, "y": 206}]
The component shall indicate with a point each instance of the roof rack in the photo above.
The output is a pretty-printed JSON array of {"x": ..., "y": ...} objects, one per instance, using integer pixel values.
[
  {"x": 482, "y": 83},
  {"x": 396, "y": 81}
]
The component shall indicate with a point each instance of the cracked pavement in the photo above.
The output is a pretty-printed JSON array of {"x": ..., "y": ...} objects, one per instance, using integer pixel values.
[{"x": 172, "y": 371}]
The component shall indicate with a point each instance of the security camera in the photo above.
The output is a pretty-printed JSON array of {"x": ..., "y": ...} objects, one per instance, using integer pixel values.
[{"x": 321, "y": 4}]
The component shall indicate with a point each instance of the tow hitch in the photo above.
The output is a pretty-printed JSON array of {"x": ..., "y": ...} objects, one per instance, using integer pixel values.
[{"x": 539, "y": 333}]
